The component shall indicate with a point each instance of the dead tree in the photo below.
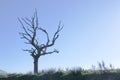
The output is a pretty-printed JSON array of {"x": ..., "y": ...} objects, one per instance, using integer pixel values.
[{"x": 30, "y": 30}]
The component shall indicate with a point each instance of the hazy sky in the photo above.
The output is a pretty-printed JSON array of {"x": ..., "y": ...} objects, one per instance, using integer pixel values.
[{"x": 91, "y": 33}]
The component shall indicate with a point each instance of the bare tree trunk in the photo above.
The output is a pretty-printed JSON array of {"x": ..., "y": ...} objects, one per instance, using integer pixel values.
[{"x": 35, "y": 65}]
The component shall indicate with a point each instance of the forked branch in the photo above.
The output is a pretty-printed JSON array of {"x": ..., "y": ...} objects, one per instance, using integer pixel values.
[
  {"x": 30, "y": 35},
  {"x": 56, "y": 35}
]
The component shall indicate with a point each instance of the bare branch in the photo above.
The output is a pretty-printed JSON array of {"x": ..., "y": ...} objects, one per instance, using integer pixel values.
[
  {"x": 26, "y": 22},
  {"x": 33, "y": 37},
  {"x": 56, "y": 35},
  {"x": 30, "y": 34},
  {"x": 55, "y": 51},
  {"x": 24, "y": 37},
  {"x": 27, "y": 50},
  {"x": 42, "y": 45},
  {"x": 26, "y": 32},
  {"x": 32, "y": 54},
  {"x": 32, "y": 51},
  {"x": 36, "y": 18},
  {"x": 33, "y": 24},
  {"x": 27, "y": 42},
  {"x": 30, "y": 30},
  {"x": 48, "y": 40},
  {"x": 21, "y": 22}
]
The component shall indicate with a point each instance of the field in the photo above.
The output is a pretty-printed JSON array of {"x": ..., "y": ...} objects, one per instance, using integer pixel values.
[{"x": 74, "y": 74}]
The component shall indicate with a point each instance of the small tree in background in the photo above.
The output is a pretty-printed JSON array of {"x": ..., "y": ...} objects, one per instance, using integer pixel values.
[{"x": 31, "y": 28}]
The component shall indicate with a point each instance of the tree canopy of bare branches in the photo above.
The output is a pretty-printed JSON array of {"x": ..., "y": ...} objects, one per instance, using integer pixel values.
[{"x": 30, "y": 29}]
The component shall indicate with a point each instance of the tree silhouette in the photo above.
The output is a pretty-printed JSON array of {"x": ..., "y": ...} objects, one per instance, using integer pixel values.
[{"x": 30, "y": 34}]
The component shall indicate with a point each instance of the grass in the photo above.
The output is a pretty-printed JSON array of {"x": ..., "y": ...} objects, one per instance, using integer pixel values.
[
  {"x": 72, "y": 74},
  {"x": 100, "y": 73}
]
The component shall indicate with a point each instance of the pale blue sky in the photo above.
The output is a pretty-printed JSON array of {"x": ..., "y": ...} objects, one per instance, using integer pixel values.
[{"x": 91, "y": 33}]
